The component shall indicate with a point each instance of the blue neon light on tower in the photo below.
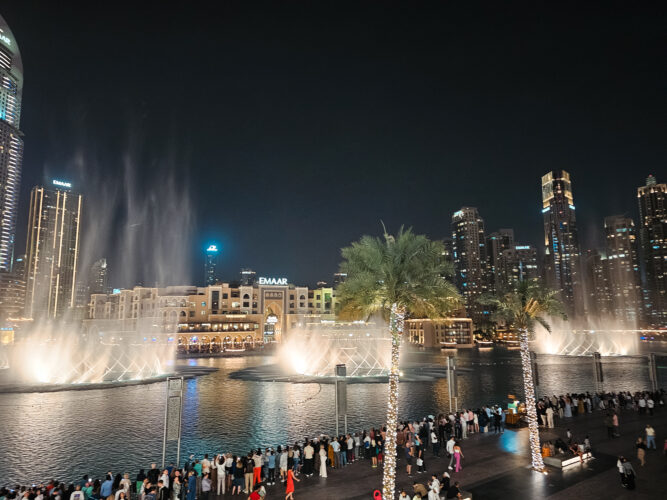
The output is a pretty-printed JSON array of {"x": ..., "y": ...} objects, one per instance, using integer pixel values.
[{"x": 211, "y": 263}]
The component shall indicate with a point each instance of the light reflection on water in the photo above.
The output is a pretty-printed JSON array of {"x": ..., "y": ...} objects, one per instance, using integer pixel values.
[{"x": 68, "y": 434}]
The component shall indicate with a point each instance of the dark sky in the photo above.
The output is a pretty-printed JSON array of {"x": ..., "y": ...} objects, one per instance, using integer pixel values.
[{"x": 295, "y": 127}]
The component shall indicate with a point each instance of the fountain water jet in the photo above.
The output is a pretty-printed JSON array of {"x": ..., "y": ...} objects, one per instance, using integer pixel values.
[{"x": 146, "y": 226}]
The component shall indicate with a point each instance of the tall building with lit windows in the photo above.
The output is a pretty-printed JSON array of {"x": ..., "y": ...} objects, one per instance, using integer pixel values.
[
  {"x": 623, "y": 268},
  {"x": 496, "y": 244},
  {"x": 52, "y": 250},
  {"x": 652, "y": 200},
  {"x": 210, "y": 265},
  {"x": 469, "y": 255},
  {"x": 561, "y": 240},
  {"x": 11, "y": 141}
]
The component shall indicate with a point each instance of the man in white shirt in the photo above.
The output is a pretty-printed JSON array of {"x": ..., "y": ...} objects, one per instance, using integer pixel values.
[
  {"x": 450, "y": 451},
  {"x": 308, "y": 462},
  {"x": 336, "y": 448},
  {"x": 550, "y": 417}
]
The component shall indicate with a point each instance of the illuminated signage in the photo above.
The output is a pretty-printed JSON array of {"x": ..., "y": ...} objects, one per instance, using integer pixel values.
[
  {"x": 56, "y": 182},
  {"x": 524, "y": 247},
  {"x": 212, "y": 248},
  {"x": 272, "y": 320},
  {"x": 273, "y": 281}
]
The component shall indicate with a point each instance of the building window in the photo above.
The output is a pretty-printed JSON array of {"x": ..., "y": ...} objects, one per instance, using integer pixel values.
[
  {"x": 192, "y": 314},
  {"x": 225, "y": 296},
  {"x": 246, "y": 304},
  {"x": 203, "y": 304}
]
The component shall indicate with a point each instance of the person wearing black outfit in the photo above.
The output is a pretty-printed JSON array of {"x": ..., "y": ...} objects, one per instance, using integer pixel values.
[
  {"x": 153, "y": 474},
  {"x": 162, "y": 491}
]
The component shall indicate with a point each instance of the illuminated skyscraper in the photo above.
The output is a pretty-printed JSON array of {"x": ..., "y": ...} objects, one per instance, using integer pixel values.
[
  {"x": 623, "y": 268},
  {"x": 561, "y": 240},
  {"x": 210, "y": 266},
  {"x": 248, "y": 277},
  {"x": 496, "y": 244},
  {"x": 52, "y": 250},
  {"x": 652, "y": 200},
  {"x": 99, "y": 277},
  {"x": 469, "y": 251},
  {"x": 11, "y": 141},
  {"x": 518, "y": 263}
]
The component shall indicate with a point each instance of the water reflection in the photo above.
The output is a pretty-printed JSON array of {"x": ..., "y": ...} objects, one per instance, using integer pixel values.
[{"x": 67, "y": 434}]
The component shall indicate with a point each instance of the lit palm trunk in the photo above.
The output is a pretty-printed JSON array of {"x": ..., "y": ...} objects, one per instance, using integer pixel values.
[
  {"x": 529, "y": 389},
  {"x": 389, "y": 477}
]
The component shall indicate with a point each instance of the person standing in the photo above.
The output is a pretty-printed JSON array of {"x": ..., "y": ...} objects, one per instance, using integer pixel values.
[
  {"x": 435, "y": 442},
  {"x": 220, "y": 480},
  {"x": 408, "y": 459},
  {"x": 629, "y": 474},
  {"x": 450, "y": 451},
  {"x": 248, "y": 468},
  {"x": 323, "y": 461},
  {"x": 650, "y": 437},
  {"x": 289, "y": 489},
  {"x": 641, "y": 451},
  {"x": 614, "y": 419},
  {"x": 308, "y": 453},
  {"x": 272, "y": 468},
  {"x": 176, "y": 488},
  {"x": 336, "y": 449},
  {"x": 205, "y": 486},
  {"x": 458, "y": 455},
  {"x": 257, "y": 467},
  {"x": 550, "y": 417},
  {"x": 192, "y": 485}
]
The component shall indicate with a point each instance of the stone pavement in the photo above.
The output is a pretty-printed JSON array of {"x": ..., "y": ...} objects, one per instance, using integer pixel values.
[{"x": 496, "y": 466}]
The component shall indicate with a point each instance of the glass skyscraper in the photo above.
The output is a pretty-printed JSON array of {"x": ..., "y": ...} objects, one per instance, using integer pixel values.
[
  {"x": 11, "y": 141},
  {"x": 52, "y": 251},
  {"x": 561, "y": 239},
  {"x": 652, "y": 200},
  {"x": 469, "y": 251},
  {"x": 623, "y": 269}
]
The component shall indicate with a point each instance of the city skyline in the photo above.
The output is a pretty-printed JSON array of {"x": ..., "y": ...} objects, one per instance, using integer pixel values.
[{"x": 278, "y": 144}]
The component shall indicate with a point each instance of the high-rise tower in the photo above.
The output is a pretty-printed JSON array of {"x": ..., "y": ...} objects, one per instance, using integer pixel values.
[
  {"x": 210, "y": 271},
  {"x": 561, "y": 240},
  {"x": 623, "y": 268},
  {"x": 52, "y": 250},
  {"x": 496, "y": 244},
  {"x": 468, "y": 247},
  {"x": 11, "y": 141},
  {"x": 652, "y": 200}
]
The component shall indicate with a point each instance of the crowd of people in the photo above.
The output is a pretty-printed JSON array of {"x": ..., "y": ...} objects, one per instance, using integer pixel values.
[{"x": 254, "y": 474}]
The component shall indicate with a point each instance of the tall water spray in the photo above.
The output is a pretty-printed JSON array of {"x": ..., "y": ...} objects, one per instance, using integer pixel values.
[{"x": 143, "y": 226}]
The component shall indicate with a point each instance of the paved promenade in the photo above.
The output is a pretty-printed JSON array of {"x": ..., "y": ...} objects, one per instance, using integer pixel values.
[{"x": 496, "y": 467}]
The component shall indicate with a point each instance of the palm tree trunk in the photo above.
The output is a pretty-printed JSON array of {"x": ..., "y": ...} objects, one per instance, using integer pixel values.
[
  {"x": 389, "y": 476},
  {"x": 529, "y": 390}
]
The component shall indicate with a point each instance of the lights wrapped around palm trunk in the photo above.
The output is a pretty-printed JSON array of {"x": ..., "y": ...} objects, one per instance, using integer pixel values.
[
  {"x": 531, "y": 410},
  {"x": 389, "y": 478}
]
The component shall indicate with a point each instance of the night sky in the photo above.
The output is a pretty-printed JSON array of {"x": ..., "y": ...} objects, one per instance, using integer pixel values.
[{"x": 295, "y": 127}]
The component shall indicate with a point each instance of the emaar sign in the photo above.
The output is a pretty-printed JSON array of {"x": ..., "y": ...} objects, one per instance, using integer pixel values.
[{"x": 273, "y": 281}]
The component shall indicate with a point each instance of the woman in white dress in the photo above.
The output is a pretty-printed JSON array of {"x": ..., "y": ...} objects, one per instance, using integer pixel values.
[{"x": 323, "y": 461}]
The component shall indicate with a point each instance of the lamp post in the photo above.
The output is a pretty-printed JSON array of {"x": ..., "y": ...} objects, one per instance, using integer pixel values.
[{"x": 341, "y": 395}]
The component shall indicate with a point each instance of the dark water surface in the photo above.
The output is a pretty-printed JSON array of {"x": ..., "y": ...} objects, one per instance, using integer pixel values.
[{"x": 65, "y": 435}]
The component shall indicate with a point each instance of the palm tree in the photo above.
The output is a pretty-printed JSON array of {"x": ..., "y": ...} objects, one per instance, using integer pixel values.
[
  {"x": 522, "y": 305},
  {"x": 395, "y": 276}
]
